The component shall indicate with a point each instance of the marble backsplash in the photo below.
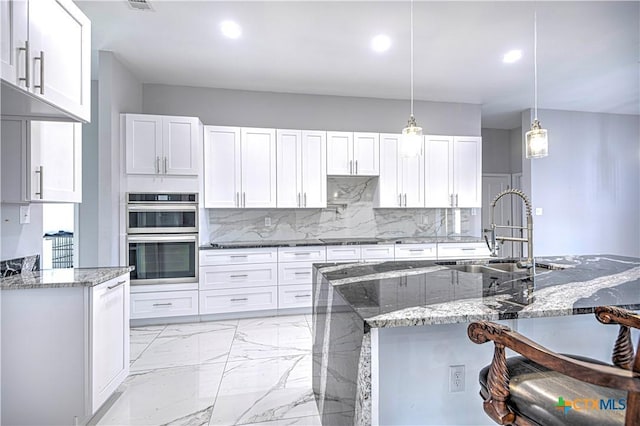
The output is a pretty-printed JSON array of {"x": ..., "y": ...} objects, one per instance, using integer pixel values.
[{"x": 349, "y": 213}]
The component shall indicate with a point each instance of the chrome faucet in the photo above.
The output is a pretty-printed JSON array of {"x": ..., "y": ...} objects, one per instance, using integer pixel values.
[{"x": 493, "y": 245}]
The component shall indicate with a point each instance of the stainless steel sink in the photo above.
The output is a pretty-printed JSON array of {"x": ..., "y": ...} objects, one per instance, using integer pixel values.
[{"x": 489, "y": 267}]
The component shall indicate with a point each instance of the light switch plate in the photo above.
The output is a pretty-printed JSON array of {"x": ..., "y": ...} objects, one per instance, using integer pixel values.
[
  {"x": 25, "y": 214},
  {"x": 538, "y": 211},
  {"x": 267, "y": 221}
]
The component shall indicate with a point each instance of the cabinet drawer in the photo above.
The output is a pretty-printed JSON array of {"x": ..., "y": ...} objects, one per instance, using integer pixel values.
[
  {"x": 239, "y": 300},
  {"x": 302, "y": 254},
  {"x": 233, "y": 256},
  {"x": 295, "y": 273},
  {"x": 233, "y": 276},
  {"x": 164, "y": 304},
  {"x": 415, "y": 251},
  {"x": 378, "y": 252},
  {"x": 462, "y": 250},
  {"x": 346, "y": 253},
  {"x": 294, "y": 296}
]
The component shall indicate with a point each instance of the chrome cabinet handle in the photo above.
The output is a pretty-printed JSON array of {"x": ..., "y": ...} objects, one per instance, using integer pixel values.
[
  {"x": 163, "y": 304},
  {"x": 116, "y": 285},
  {"x": 237, "y": 199},
  {"x": 239, "y": 276},
  {"x": 350, "y": 167},
  {"x": 301, "y": 253},
  {"x": 305, "y": 199},
  {"x": 244, "y": 199},
  {"x": 157, "y": 165},
  {"x": 240, "y": 299},
  {"x": 165, "y": 165},
  {"x": 356, "y": 167},
  {"x": 400, "y": 200},
  {"x": 40, "y": 171},
  {"x": 302, "y": 295},
  {"x": 25, "y": 49},
  {"x": 456, "y": 200},
  {"x": 302, "y": 273},
  {"x": 41, "y": 86},
  {"x": 239, "y": 255},
  {"x": 451, "y": 200},
  {"x": 298, "y": 199},
  {"x": 405, "y": 200}
]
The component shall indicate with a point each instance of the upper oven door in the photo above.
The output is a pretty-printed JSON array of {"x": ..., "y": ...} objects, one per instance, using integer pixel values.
[{"x": 162, "y": 219}]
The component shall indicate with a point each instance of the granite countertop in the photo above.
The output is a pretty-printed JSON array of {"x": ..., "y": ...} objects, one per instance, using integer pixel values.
[
  {"x": 393, "y": 294},
  {"x": 55, "y": 278},
  {"x": 338, "y": 241}
]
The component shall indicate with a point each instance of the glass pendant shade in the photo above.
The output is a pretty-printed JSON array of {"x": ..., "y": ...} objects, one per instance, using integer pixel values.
[
  {"x": 537, "y": 143},
  {"x": 411, "y": 142}
]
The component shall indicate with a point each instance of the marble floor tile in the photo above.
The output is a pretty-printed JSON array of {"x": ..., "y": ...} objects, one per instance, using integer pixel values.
[
  {"x": 188, "y": 344},
  {"x": 177, "y": 396},
  {"x": 271, "y": 337},
  {"x": 141, "y": 337},
  {"x": 261, "y": 390}
]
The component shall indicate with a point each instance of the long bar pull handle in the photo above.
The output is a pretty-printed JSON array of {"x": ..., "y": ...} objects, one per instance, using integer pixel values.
[
  {"x": 451, "y": 200},
  {"x": 157, "y": 165},
  {"x": 244, "y": 199},
  {"x": 356, "y": 166},
  {"x": 40, "y": 171},
  {"x": 166, "y": 161},
  {"x": 305, "y": 199},
  {"x": 41, "y": 85},
  {"x": 400, "y": 200},
  {"x": 26, "y": 78},
  {"x": 298, "y": 199},
  {"x": 297, "y": 296},
  {"x": 163, "y": 304},
  {"x": 350, "y": 167},
  {"x": 405, "y": 199},
  {"x": 239, "y": 276},
  {"x": 242, "y": 299},
  {"x": 456, "y": 200},
  {"x": 237, "y": 199},
  {"x": 111, "y": 287}
]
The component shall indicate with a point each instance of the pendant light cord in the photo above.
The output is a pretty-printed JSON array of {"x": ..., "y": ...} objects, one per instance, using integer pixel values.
[
  {"x": 412, "y": 58},
  {"x": 535, "y": 64}
]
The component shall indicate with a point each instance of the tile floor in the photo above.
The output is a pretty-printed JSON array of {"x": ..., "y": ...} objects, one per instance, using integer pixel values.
[{"x": 235, "y": 372}]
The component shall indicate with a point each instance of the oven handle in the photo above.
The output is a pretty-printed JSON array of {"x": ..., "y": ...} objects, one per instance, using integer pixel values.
[
  {"x": 162, "y": 207},
  {"x": 163, "y": 238}
]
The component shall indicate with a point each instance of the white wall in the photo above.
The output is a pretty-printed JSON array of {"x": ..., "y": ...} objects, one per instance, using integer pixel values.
[
  {"x": 515, "y": 147},
  {"x": 20, "y": 240},
  {"x": 119, "y": 92},
  {"x": 588, "y": 186},
  {"x": 297, "y": 111},
  {"x": 496, "y": 151}
]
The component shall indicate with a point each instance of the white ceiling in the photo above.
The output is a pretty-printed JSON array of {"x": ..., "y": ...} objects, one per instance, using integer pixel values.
[{"x": 588, "y": 52}]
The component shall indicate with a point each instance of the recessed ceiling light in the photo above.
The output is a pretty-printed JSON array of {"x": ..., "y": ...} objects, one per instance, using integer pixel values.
[
  {"x": 512, "y": 56},
  {"x": 230, "y": 29},
  {"x": 381, "y": 43}
]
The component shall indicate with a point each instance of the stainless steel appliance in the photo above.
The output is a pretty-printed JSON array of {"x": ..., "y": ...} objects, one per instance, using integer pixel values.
[{"x": 162, "y": 237}]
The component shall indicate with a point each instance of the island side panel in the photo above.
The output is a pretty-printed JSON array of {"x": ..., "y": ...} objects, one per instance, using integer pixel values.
[{"x": 338, "y": 333}]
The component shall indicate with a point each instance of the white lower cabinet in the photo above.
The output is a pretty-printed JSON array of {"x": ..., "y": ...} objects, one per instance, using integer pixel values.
[
  {"x": 360, "y": 253},
  {"x": 377, "y": 252},
  {"x": 164, "y": 304},
  {"x": 234, "y": 276},
  {"x": 415, "y": 251},
  {"x": 64, "y": 351},
  {"x": 238, "y": 300},
  {"x": 346, "y": 253},
  {"x": 294, "y": 296},
  {"x": 295, "y": 275},
  {"x": 462, "y": 250}
]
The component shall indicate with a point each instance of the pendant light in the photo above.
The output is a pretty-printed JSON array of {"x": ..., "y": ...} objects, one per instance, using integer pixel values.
[
  {"x": 411, "y": 142},
  {"x": 536, "y": 139}
]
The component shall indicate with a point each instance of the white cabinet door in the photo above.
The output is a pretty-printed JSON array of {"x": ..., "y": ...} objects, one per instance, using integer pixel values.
[
  {"x": 258, "y": 167},
  {"x": 314, "y": 169},
  {"x": 143, "y": 144},
  {"x": 389, "y": 192},
  {"x": 60, "y": 48},
  {"x": 467, "y": 176},
  {"x": 438, "y": 171},
  {"x": 109, "y": 338},
  {"x": 222, "y": 167},
  {"x": 340, "y": 153},
  {"x": 14, "y": 41},
  {"x": 55, "y": 151},
  {"x": 411, "y": 171},
  {"x": 289, "y": 166},
  {"x": 180, "y": 145},
  {"x": 366, "y": 154}
]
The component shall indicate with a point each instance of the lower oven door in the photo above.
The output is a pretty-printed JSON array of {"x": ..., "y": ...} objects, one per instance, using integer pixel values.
[{"x": 163, "y": 259}]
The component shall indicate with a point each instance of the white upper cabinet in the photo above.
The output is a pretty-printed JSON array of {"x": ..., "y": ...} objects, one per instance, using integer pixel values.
[
  {"x": 302, "y": 171},
  {"x": 356, "y": 154},
  {"x": 453, "y": 171},
  {"x": 239, "y": 167},
  {"x": 46, "y": 52},
  {"x": 162, "y": 145},
  {"x": 401, "y": 182},
  {"x": 41, "y": 161}
]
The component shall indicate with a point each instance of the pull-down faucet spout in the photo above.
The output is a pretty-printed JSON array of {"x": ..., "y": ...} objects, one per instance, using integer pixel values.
[{"x": 493, "y": 245}]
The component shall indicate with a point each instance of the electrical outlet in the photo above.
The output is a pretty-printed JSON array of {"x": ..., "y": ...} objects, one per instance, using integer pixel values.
[
  {"x": 267, "y": 221},
  {"x": 456, "y": 378},
  {"x": 538, "y": 211}
]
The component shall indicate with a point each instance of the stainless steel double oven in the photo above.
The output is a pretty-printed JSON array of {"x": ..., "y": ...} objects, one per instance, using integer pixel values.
[{"x": 162, "y": 237}]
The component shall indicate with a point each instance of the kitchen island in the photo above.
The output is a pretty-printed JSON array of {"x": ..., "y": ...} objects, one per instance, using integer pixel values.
[
  {"x": 65, "y": 343},
  {"x": 386, "y": 334}
]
